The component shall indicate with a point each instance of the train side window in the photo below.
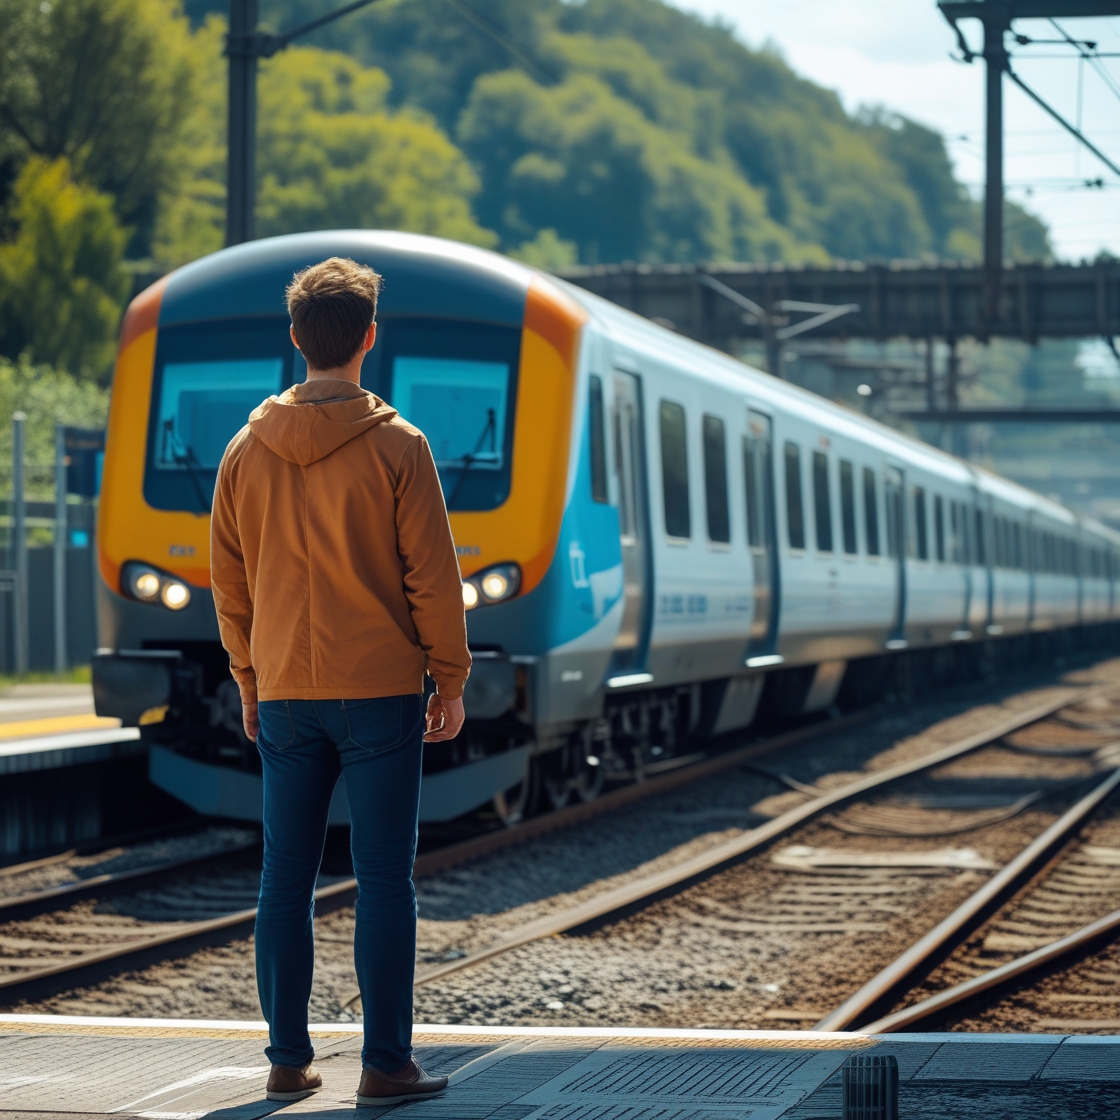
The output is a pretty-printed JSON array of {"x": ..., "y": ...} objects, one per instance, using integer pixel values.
[
  {"x": 870, "y": 511},
  {"x": 939, "y": 527},
  {"x": 822, "y": 502},
  {"x": 1000, "y": 551},
  {"x": 954, "y": 534},
  {"x": 598, "y": 437},
  {"x": 1017, "y": 544},
  {"x": 981, "y": 550},
  {"x": 795, "y": 514},
  {"x": 848, "y": 506},
  {"x": 674, "y": 470},
  {"x": 920, "y": 530},
  {"x": 715, "y": 480}
]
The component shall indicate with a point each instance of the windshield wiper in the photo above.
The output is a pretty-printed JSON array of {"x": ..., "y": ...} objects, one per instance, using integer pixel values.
[
  {"x": 188, "y": 460},
  {"x": 473, "y": 457}
]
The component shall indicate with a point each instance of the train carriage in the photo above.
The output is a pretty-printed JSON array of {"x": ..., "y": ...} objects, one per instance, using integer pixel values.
[{"x": 654, "y": 538}]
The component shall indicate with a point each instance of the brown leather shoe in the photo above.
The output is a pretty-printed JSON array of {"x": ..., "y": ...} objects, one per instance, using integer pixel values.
[
  {"x": 408, "y": 1084},
  {"x": 287, "y": 1084}
]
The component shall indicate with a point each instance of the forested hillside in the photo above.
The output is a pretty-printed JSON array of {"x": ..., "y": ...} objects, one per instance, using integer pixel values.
[
  {"x": 636, "y": 131},
  {"x": 556, "y": 131}
]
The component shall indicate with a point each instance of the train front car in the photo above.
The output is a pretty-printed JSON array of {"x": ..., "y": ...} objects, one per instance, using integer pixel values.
[{"x": 480, "y": 353}]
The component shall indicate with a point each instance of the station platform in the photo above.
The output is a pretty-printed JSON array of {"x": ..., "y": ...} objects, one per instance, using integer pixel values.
[
  {"x": 184, "y": 1070},
  {"x": 52, "y": 726}
]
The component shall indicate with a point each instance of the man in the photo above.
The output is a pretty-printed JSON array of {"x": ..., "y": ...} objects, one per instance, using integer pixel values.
[{"x": 337, "y": 586}]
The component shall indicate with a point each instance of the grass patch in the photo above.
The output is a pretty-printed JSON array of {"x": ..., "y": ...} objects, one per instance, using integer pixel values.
[{"x": 79, "y": 674}]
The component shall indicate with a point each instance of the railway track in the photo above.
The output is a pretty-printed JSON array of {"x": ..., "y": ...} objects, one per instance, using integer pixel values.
[
  {"x": 162, "y": 918},
  {"x": 902, "y": 974},
  {"x": 641, "y": 892},
  {"x": 146, "y": 939}
]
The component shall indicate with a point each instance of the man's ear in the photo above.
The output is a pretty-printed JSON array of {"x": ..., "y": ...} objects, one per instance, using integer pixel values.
[
  {"x": 295, "y": 341},
  {"x": 371, "y": 337}
]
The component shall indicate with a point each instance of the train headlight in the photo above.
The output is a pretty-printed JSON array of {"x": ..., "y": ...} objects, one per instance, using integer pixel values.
[
  {"x": 175, "y": 595},
  {"x": 495, "y": 586},
  {"x": 150, "y": 585},
  {"x": 491, "y": 585},
  {"x": 144, "y": 584}
]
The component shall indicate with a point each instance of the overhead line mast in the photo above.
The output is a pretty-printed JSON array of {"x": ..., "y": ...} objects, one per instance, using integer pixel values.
[
  {"x": 245, "y": 46},
  {"x": 996, "y": 17}
]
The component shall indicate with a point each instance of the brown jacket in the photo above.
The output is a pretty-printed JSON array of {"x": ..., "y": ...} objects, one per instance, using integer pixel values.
[{"x": 332, "y": 563}]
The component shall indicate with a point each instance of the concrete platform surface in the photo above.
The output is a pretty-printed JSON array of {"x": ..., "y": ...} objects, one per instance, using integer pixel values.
[{"x": 181, "y": 1070}]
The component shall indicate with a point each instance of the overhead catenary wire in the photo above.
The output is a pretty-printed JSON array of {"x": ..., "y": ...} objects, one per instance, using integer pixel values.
[
  {"x": 1062, "y": 121},
  {"x": 487, "y": 28},
  {"x": 1091, "y": 58}
]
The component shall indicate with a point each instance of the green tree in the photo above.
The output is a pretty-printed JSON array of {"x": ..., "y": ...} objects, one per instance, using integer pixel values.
[
  {"x": 62, "y": 284},
  {"x": 105, "y": 85},
  {"x": 871, "y": 184},
  {"x": 46, "y": 395},
  {"x": 331, "y": 154},
  {"x": 578, "y": 159}
]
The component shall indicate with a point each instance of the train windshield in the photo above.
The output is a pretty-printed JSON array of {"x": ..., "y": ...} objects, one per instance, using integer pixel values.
[
  {"x": 456, "y": 382},
  {"x": 207, "y": 381}
]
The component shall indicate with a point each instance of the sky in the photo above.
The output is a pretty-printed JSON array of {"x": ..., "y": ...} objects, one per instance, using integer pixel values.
[{"x": 896, "y": 53}]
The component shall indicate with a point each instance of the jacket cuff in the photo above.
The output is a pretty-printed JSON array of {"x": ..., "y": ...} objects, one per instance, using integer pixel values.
[
  {"x": 449, "y": 689},
  {"x": 247, "y": 684}
]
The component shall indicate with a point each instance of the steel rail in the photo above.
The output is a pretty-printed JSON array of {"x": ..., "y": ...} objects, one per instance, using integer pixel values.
[
  {"x": 611, "y": 901},
  {"x": 185, "y": 932},
  {"x": 1106, "y": 927},
  {"x": 454, "y": 855},
  {"x": 24, "y": 904},
  {"x": 650, "y": 887},
  {"x": 951, "y": 929},
  {"x": 441, "y": 859}
]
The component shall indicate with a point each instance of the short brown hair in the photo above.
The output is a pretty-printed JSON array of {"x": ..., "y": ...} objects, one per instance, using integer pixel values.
[{"x": 332, "y": 305}]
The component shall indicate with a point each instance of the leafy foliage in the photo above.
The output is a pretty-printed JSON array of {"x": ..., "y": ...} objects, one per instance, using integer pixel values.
[
  {"x": 62, "y": 284},
  {"x": 688, "y": 131},
  {"x": 46, "y": 395},
  {"x": 331, "y": 154},
  {"x": 103, "y": 84}
]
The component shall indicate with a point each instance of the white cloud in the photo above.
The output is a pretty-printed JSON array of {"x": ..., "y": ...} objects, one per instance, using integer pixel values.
[{"x": 896, "y": 53}]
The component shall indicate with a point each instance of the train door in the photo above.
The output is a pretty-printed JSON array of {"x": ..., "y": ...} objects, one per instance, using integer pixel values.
[
  {"x": 985, "y": 541},
  {"x": 762, "y": 537},
  {"x": 1029, "y": 564},
  {"x": 632, "y": 641},
  {"x": 894, "y": 493}
]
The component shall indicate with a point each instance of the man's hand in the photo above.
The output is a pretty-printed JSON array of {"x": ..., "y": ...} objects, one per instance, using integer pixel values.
[
  {"x": 249, "y": 719},
  {"x": 445, "y": 718}
]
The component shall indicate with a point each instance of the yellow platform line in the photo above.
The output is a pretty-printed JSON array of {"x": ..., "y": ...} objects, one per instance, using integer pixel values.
[{"x": 52, "y": 725}]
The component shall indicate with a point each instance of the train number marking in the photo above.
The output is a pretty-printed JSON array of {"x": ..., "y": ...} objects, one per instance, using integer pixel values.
[
  {"x": 181, "y": 550},
  {"x": 683, "y": 604}
]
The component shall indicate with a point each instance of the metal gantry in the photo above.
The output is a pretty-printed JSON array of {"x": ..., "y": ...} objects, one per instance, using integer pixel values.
[{"x": 996, "y": 17}]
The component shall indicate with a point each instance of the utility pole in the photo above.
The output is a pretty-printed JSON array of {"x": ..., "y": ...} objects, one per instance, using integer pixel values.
[
  {"x": 19, "y": 542},
  {"x": 245, "y": 46},
  {"x": 61, "y": 531},
  {"x": 241, "y": 184},
  {"x": 997, "y": 20}
]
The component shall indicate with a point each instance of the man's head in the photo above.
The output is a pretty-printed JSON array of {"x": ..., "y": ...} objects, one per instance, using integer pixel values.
[{"x": 332, "y": 305}]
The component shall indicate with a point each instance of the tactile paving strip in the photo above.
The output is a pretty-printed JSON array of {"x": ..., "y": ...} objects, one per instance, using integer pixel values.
[
  {"x": 1084, "y": 1059},
  {"x": 987, "y": 1061},
  {"x": 754, "y": 1083}
]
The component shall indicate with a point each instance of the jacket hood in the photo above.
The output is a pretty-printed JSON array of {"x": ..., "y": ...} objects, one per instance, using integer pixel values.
[{"x": 310, "y": 420}]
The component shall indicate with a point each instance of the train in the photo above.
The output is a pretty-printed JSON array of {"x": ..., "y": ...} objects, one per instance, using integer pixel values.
[{"x": 659, "y": 545}]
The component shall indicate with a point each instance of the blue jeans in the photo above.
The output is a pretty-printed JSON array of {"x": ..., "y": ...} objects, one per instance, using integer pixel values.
[{"x": 376, "y": 746}]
